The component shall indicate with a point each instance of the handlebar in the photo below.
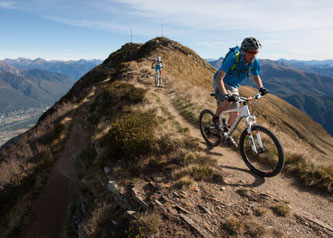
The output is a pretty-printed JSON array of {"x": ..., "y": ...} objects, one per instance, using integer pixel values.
[
  {"x": 244, "y": 99},
  {"x": 248, "y": 99}
]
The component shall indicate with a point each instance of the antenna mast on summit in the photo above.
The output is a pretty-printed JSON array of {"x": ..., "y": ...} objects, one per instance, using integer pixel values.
[
  {"x": 131, "y": 36},
  {"x": 161, "y": 26}
]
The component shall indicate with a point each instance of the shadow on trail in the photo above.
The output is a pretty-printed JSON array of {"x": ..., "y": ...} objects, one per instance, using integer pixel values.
[
  {"x": 256, "y": 183},
  {"x": 208, "y": 151}
]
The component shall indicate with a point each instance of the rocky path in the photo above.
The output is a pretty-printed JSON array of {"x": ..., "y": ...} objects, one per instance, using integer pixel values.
[
  {"x": 307, "y": 205},
  {"x": 50, "y": 210}
]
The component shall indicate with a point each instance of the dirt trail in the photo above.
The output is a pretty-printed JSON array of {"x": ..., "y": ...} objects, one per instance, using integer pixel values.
[
  {"x": 51, "y": 208},
  {"x": 305, "y": 202}
]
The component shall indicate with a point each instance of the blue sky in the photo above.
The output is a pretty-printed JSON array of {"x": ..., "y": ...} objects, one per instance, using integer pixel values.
[{"x": 75, "y": 29}]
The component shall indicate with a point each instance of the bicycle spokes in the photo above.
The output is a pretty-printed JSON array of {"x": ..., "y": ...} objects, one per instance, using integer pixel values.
[
  {"x": 210, "y": 133},
  {"x": 261, "y": 151}
]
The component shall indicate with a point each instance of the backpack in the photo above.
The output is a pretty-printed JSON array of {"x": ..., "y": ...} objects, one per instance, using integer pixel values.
[{"x": 236, "y": 51}]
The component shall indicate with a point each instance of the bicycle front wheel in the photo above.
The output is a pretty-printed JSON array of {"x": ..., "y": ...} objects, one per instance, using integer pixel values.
[
  {"x": 208, "y": 131},
  {"x": 262, "y": 151},
  {"x": 157, "y": 79}
]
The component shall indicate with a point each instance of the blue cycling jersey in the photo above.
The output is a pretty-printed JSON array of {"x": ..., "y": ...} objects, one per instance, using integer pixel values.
[{"x": 236, "y": 76}]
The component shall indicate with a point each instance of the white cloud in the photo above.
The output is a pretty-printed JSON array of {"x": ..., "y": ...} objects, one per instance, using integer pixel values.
[
  {"x": 287, "y": 26},
  {"x": 7, "y": 5}
]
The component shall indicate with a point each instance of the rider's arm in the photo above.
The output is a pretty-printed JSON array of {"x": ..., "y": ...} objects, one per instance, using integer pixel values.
[
  {"x": 152, "y": 65},
  {"x": 219, "y": 82},
  {"x": 258, "y": 81}
]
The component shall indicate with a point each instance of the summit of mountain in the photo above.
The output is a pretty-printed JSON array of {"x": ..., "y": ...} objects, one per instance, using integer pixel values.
[
  {"x": 119, "y": 157},
  {"x": 8, "y": 68}
]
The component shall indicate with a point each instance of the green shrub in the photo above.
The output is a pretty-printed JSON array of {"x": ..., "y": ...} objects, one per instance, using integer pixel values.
[
  {"x": 115, "y": 97},
  {"x": 132, "y": 135}
]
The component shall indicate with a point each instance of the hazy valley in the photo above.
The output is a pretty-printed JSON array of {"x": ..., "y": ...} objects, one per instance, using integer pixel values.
[{"x": 27, "y": 90}]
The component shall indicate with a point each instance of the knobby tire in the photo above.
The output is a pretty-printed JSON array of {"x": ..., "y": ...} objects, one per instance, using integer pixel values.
[
  {"x": 270, "y": 161},
  {"x": 211, "y": 136}
]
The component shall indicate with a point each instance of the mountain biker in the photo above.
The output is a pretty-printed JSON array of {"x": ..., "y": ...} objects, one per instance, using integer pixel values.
[
  {"x": 158, "y": 65},
  {"x": 230, "y": 75}
]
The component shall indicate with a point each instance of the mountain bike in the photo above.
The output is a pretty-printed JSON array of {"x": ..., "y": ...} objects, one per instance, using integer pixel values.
[
  {"x": 158, "y": 78},
  {"x": 260, "y": 148}
]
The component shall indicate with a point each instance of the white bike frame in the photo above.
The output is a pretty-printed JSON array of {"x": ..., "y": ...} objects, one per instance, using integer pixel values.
[
  {"x": 249, "y": 121},
  {"x": 158, "y": 79}
]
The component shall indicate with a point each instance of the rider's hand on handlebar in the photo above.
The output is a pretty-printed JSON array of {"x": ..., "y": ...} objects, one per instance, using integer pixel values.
[
  {"x": 232, "y": 98},
  {"x": 263, "y": 91}
]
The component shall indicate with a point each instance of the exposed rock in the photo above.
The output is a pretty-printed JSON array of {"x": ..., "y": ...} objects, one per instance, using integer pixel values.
[
  {"x": 139, "y": 199},
  {"x": 113, "y": 188},
  {"x": 195, "y": 226},
  {"x": 204, "y": 209}
]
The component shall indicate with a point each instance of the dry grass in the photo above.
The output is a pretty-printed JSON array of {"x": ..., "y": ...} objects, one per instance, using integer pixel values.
[
  {"x": 281, "y": 209},
  {"x": 255, "y": 230},
  {"x": 260, "y": 211},
  {"x": 185, "y": 183},
  {"x": 313, "y": 172},
  {"x": 101, "y": 215},
  {"x": 138, "y": 126},
  {"x": 173, "y": 151},
  {"x": 144, "y": 225},
  {"x": 237, "y": 227},
  {"x": 234, "y": 226},
  {"x": 25, "y": 165}
]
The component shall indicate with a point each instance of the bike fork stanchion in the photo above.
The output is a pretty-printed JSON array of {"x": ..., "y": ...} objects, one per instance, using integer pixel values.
[
  {"x": 259, "y": 140},
  {"x": 253, "y": 144}
]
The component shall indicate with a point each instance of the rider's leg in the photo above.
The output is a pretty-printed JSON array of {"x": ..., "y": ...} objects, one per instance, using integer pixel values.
[
  {"x": 161, "y": 75},
  {"x": 222, "y": 106},
  {"x": 232, "y": 118}
]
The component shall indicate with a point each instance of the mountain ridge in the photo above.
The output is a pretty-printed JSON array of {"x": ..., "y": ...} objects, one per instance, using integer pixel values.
[
  {"x": 72, "y": 68},
  {"x": 144, "y": 169}
]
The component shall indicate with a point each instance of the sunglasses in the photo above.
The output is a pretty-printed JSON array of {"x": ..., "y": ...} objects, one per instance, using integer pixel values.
[{"x": 252, "y": 52}]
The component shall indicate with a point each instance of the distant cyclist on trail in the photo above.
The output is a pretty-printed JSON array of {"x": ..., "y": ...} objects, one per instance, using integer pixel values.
[
  {"x": 237, "y": 65},
  {"x": 158, "y": 65}
]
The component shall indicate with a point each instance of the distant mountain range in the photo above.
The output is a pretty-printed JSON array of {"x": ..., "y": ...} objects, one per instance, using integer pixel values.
[
  {"x": 307, "y": 85},
  {"x": 71, "y": 68},
  {"x": 21, "y": 89},
  {"x": 310, "y": 63}
]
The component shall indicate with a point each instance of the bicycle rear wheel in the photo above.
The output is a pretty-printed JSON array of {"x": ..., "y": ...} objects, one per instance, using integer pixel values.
[
  {"x": 268, "y": 159},
  {"x": 209, "y": 132}
]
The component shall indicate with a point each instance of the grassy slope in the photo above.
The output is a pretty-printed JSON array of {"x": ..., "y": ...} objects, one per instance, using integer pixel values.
[
  {"x": 193, "y": 75},
  {"x": 118, "y": 104}
]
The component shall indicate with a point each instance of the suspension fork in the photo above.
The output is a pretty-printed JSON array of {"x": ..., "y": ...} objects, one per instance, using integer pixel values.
[{"x": 249, "y": 125}]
